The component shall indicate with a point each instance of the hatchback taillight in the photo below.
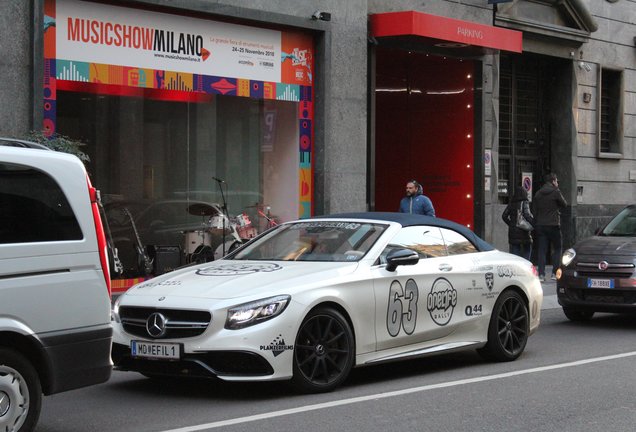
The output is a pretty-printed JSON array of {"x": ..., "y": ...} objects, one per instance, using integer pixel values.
[{"x": 101, "y": 235}]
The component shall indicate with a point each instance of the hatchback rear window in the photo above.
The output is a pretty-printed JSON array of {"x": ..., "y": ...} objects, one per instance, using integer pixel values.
[{"x": 33, "y": 208}]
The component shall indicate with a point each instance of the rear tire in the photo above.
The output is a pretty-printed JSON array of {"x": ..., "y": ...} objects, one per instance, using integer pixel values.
[
  {"x": 20, "y": 392},
  {"x": 324, "y": 351},
  {"x": 578, "y": 315},
  {"x": 508, "y": 329}
]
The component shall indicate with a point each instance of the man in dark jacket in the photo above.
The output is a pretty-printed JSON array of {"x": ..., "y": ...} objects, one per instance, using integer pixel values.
[
  {"x": 546, "y": 209},
  {"x": 415, "y": 201}
]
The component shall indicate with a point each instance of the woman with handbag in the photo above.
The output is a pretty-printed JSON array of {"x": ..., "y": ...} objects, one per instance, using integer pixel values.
[{"x": 520, "y": 222}]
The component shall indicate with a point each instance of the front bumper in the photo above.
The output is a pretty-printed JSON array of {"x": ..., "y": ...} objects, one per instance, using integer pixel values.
[
  {"x": 210, "y": 364},
  {"x": 573, "y": 292}
]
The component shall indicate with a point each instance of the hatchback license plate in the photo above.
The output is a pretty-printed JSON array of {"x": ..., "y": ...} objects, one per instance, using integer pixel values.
[
  {"x": 155, "y": 350},
  {"x": 600, "y": 283}
]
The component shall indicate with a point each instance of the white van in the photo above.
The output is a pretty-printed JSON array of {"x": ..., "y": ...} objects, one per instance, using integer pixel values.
[{"x": 55, "y": 331}]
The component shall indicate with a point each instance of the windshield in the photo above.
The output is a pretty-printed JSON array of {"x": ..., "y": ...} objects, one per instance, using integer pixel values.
[
  {"x": 314, "y": 241},
  {"x": 623, "y": 225}
]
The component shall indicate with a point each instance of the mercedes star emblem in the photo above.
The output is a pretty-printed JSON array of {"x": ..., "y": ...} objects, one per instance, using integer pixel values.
[
  {"x": 603, "y": 265},
  {"x": 156, "y": 325}
]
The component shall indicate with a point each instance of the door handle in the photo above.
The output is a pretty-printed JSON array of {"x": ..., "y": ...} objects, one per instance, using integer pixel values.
[{"x": 445, "y": 267}]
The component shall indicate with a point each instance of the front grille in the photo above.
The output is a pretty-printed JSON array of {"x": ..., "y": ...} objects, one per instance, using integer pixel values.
[
  {"x": 614, "y": 270},
  {"x": 179, "y": 323}
]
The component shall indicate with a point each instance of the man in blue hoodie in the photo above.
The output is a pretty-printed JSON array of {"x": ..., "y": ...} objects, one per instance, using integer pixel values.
[{"x": 415, "y": 201}]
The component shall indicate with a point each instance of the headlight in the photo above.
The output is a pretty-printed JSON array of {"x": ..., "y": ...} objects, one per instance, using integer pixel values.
[
  {"x": 567, "y": 257},
  {"x": 114, "y": 313},
  {"x": 255, "y": 312}
]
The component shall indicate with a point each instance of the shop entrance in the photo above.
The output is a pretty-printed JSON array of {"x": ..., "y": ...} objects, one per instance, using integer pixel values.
[{"x": 425, "y": 130}]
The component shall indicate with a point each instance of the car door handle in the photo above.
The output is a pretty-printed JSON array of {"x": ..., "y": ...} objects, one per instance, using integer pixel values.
[{"x": 445, "y": 267}]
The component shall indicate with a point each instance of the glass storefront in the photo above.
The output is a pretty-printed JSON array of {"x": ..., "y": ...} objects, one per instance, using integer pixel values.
[
  {"x": 196, "y": 146},
  {"x": 425, "y": 131},
  {"x": 147, "y": 150}
]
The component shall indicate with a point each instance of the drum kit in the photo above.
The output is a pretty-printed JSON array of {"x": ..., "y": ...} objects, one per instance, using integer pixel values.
[{"x": 218, "y": 234}]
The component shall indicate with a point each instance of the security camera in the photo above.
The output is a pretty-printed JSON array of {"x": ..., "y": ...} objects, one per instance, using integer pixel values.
[{"x": 322, "y": 16}]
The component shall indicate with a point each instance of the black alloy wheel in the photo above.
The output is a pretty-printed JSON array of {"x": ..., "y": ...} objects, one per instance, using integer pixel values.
[
  {"x": 508, "y": 329},
  {"x": 323, "y": 352},
  {"x": 578, "y": 315}
]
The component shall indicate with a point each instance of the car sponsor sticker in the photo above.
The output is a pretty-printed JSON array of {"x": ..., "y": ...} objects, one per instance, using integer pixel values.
[
  {"x": 154, "y": 284},
  {"x": 402, "y": 309},
  {"x": 473, "y": 310},
  {"x": 326, "y": 224},
  {"x": 507, "y": 271},
  {"x": 277, "y": 346},
  {"x": 441, "y": 301},
  {"x": 490, "y": 280},
  {"x": 233, "y": 269}
]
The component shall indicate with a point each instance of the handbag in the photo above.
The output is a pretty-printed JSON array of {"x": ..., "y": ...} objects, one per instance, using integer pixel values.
[{"x": 522, "y": 223}]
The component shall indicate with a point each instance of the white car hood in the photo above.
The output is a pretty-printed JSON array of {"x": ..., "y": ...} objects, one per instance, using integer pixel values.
[{"x": 226, "y": 279}]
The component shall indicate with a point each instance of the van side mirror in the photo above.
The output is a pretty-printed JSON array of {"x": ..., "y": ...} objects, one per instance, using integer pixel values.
[{"x": 400, "y": 257}]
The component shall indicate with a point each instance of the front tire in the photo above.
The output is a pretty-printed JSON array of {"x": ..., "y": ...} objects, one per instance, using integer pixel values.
[
  {"x": 577, "y": 315},
  {"x": 324, "y": 351},
  {"x": 508, "y": 329},
  {"x": 20, "y": 392}
]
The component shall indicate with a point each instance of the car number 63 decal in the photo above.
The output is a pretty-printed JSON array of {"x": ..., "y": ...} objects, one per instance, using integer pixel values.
[{"x": 402, "y": 310}]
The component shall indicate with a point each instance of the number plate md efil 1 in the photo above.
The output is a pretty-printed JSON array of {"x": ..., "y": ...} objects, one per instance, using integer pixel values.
[{"x": 156, "y": 350}]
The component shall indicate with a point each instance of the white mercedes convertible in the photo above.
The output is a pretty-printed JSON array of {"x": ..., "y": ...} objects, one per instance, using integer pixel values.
[{"x": 308, "y": 300}]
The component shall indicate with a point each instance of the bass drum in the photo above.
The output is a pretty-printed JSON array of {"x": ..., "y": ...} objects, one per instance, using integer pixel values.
[{"x": 230, "y": 246}]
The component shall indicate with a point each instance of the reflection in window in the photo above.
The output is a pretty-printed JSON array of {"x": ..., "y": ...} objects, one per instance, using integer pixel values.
[
  {"x": 156, "y": 159},
  {"x": 456, "y": 243},
  {"x": 426, "y": 241},
  {"x": 327, "y": 241}
]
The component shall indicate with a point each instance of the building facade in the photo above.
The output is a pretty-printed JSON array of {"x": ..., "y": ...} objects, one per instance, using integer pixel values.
[{"x": 273, "y": 110}]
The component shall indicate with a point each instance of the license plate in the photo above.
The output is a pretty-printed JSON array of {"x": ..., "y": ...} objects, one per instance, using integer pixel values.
[
  {"x": 155, "y": 350},
  {"x": 600, "y": 283}
]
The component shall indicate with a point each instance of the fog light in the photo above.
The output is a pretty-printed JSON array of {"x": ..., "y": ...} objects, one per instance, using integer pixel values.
[{"x": 559, "y": 273}]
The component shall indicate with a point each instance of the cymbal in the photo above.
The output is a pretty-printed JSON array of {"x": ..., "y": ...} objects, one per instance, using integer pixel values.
[{"x": 201, "y": 209}]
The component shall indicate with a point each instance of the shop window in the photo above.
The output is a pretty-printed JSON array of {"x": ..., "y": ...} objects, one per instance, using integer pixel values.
[
  {"x": 610, "y": 142},
  {"x": 167, "y": 168}
]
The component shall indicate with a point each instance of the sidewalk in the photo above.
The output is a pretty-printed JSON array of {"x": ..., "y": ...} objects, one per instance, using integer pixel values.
[{"x": 549, "y": 291}]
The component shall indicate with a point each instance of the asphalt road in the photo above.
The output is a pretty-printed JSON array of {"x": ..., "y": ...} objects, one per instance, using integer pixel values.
[{"x": 572, "y": 377}]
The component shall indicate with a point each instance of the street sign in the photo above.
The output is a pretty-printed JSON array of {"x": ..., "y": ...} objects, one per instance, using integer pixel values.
[{"x": 526, "y": 183}]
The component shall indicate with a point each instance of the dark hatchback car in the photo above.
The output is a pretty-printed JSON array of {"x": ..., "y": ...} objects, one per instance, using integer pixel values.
[{"x": 599, "y": 273}]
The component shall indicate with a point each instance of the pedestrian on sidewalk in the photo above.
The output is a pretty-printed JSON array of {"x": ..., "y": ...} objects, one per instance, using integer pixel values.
[
  {"x": 415, "y": 201},
  {"x": 519, "y": 240},
  {"x": 546, "y": 207}
]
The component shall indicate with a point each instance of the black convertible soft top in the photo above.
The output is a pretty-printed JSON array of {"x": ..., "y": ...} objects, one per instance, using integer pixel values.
[{"x": 407, "y": 219}]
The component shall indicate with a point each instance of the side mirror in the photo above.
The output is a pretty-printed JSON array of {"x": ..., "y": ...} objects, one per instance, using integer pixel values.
[{"x": 399, "y": 257}]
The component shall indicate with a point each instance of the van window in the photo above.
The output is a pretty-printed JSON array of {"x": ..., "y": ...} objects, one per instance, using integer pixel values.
[{"x": 33, "y": 208}]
